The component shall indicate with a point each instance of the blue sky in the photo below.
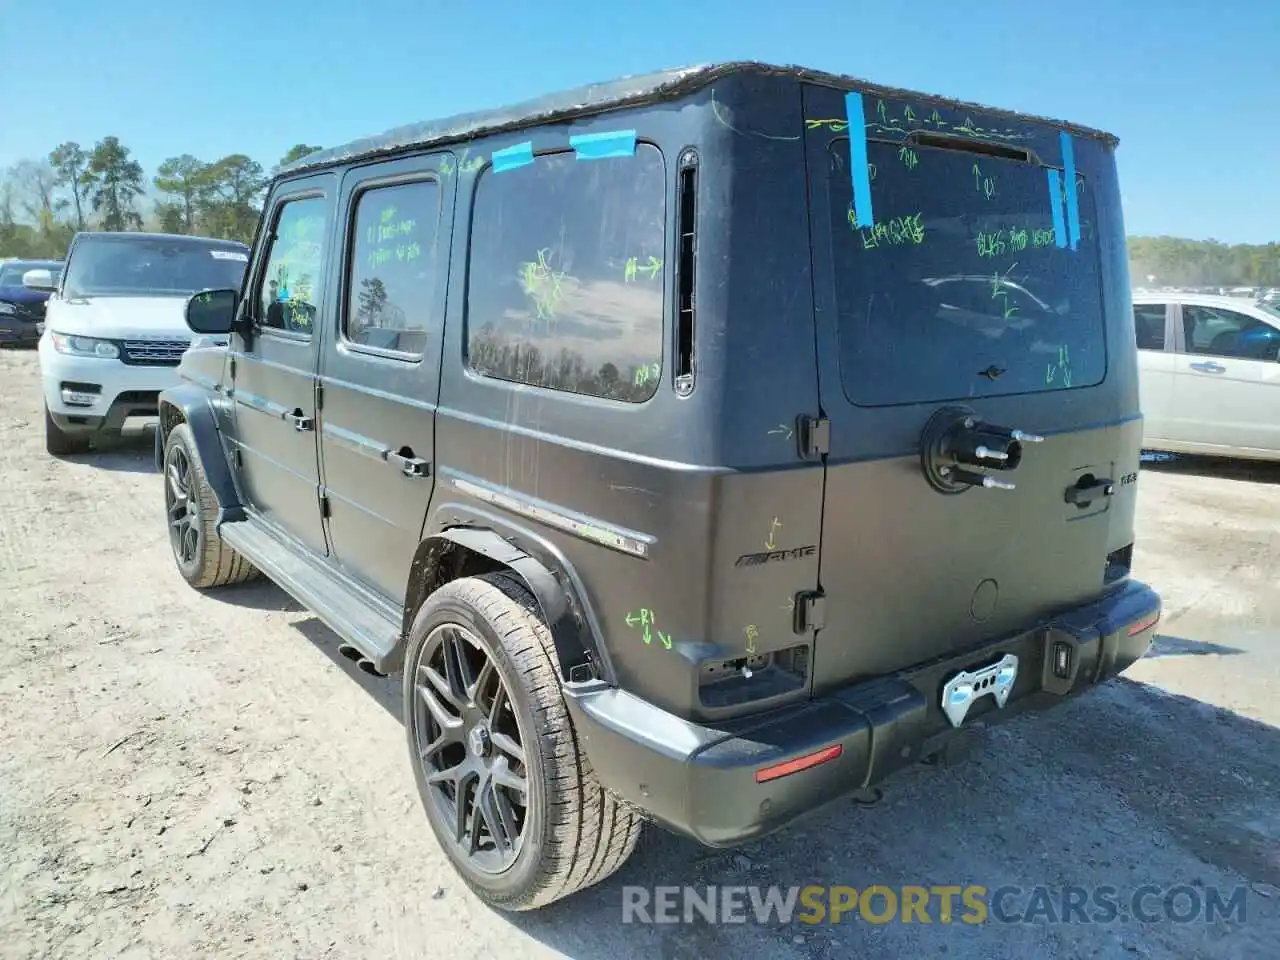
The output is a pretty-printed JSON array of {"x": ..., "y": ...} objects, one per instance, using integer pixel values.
[{"x": 1191, "y": 87}]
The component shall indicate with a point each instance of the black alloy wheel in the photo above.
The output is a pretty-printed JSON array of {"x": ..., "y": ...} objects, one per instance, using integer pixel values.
[
  {"x": 471, "y": 747},
  {"x": 182, "y": 508}
]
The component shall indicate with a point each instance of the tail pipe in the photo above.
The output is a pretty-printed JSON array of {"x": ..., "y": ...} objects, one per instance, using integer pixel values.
[{"x": 360, "y": 660}]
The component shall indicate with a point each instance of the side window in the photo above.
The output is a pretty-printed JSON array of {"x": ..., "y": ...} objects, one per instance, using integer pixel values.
[
  {"x": 1148, "y": 322},
  {"x": 565, "y": 283},
  {"x": 391, "y": 267},
  {"x": 290, "y": 288},
  {"x": 1214, "y": 332}
]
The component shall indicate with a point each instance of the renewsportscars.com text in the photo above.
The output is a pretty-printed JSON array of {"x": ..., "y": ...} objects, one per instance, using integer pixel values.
[{"x": 970, "y": 904}]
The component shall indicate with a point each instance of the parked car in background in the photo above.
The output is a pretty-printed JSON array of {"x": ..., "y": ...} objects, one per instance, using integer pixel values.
[
  {"x": 1209, "y": 374},
  {"x": 21, "y": 307},
  {"x": 675, "y": 482},
  {"x": 115, "y": 328}
]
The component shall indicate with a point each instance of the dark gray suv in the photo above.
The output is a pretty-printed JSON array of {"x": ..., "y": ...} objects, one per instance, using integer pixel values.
[{"x": 701, "y": 447}]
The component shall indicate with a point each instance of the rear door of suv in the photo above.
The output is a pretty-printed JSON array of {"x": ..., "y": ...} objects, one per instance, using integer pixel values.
[
  {"x": 955, "y": 269},
  {"x": 1226, "y": 379},
  {"x": 380, "y": 366}
]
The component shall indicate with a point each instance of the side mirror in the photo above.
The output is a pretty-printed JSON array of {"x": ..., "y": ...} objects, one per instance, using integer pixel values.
[
  {"x": 212, "y": 311},
  {"x": 39, "y": 279}
]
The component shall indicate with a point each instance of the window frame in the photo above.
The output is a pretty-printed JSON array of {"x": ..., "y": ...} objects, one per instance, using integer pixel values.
[
  {"x": 1169, "y": 337},
  {"x": 666, "y": 325},
  {"x": 358, "y": 192},
  {"x": 264, "y": 261}
]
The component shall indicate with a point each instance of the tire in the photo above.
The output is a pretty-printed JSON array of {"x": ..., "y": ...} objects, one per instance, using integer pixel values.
[
  {"x": 573, "y": 834},
  {"x": 191, "y": 512},
  {"x": 59, "y": 443}
]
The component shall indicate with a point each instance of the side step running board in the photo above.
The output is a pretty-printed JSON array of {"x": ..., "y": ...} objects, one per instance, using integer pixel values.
[{"x": 359, "y": 618}]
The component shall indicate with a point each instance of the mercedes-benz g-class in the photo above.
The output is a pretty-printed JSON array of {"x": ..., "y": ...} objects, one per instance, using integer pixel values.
[{"x": 700, "y": 447}]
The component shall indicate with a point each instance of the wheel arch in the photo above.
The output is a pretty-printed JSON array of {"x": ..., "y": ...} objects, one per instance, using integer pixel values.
[
  {"x": 192, "y": 406},
  {"x": 476, "y": 542}
]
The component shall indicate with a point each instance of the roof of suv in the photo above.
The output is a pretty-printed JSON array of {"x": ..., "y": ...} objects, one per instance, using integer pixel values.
[
  {"x": 1199, "y": 299},
  {"x": 178, "y": 237},
  {"x": 615, "y": 94}
]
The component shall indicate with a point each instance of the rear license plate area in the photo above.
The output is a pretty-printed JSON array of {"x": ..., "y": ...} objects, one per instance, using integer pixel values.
[{"x": 994, "y": 681}]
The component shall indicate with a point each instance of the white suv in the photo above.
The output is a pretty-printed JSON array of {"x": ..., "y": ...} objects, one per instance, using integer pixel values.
[{"x": 115, "y": 326}]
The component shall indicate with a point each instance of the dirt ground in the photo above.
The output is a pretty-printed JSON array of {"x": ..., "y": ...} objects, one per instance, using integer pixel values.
[{"x": 186, "y": 776}]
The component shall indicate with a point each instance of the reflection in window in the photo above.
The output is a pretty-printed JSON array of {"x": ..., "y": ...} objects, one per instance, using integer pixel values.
[
  {"x": 1225, "y": 333},
  {"x": 565, "y": 288},
  {"x": 393, "y": 256},
  {"x": 290, "y": 291}
]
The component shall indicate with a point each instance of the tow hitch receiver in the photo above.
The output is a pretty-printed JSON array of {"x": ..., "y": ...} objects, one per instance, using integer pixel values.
[{"x": 968, "y": 686}]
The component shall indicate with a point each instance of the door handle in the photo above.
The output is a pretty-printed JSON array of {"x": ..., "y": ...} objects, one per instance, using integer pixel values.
[
  {"x": 1208, "y": 366},
  {"x": 1084, "y": 494},
  {"x": 301, "y": 422},
  {"x": 408, "y": 464}
]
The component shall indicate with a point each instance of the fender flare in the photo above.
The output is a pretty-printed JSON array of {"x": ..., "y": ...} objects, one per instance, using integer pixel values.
[
  {"x": 192, "y": 405},
  {"x": 554, "y": 587}
]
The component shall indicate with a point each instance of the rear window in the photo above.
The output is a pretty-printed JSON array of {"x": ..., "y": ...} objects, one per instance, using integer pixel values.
[
  {"x": 961, "y": 288},
  {"x": 565, "y": 287}
]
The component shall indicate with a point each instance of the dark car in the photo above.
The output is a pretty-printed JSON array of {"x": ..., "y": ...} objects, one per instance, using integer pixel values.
[
  {"x": 699, "y": 447},
  {"x": 21, "y": 307}
]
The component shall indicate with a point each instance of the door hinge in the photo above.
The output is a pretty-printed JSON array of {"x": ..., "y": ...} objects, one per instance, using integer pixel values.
[
  {"x": 319, "y": 394},
  {"x": 814, "y": 434},
  {"x": 233, "y": 367},
  {"x": 810, "y": 612},
  {"x": 324, "y": 506},
  {"x": 235, "y": 458}
]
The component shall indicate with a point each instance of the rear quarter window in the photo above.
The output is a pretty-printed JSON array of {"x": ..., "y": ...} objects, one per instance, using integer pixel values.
[
  {"x": 566, "y": 272},
  {"x": 961, "y": 288}
]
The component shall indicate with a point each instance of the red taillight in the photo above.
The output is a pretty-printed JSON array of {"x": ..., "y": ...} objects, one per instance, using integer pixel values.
[
  {"x": 1150, "y": 620},
  {"x": 766, "y": 774}
]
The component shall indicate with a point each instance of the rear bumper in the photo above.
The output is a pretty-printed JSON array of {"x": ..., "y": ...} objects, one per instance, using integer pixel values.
[{"x": 701, "y": 781}]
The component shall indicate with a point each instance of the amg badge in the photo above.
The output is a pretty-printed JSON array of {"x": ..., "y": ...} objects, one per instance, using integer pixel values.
[{"x": 775, "y": 556}]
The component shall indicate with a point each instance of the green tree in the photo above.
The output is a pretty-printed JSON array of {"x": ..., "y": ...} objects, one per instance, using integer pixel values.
[
  {"x": 171, "y": 218},
  {"x": 1174, "y": 261},
  {"x": 114, "y": 182},
  {"x": 35, "y": 182},
  {"x": 70, "y": 163},
  {"x": 29, "y": 225},
  {"x": 296, "y": 152},
  {"x": 231, "y": 197},
  {"x": 184, "y": 178}
]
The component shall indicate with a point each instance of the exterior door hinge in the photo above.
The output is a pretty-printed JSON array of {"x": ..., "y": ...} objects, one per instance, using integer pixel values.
[
  {"x": 233, "y": 368},
  {"x": 810, "y": 612},
  {"x": 814, "y": 435},
  {"x": 324, "y": 506},
  {"x": 319, "y": 394},
  {"x": 235, "y": 458}
]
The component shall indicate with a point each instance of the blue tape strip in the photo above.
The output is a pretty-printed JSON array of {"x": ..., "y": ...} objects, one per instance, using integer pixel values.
[
  {"x": 1055, "y": 204},
  {"x": 858, "y": 160},
  {"x": 1069, "y": 174},
  {"x": 519, "y": 155},
  {"x": 602, "y": 146}
]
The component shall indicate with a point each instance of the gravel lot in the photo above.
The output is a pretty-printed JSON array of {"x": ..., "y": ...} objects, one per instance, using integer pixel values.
[{"x": 195, "y": 776}]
